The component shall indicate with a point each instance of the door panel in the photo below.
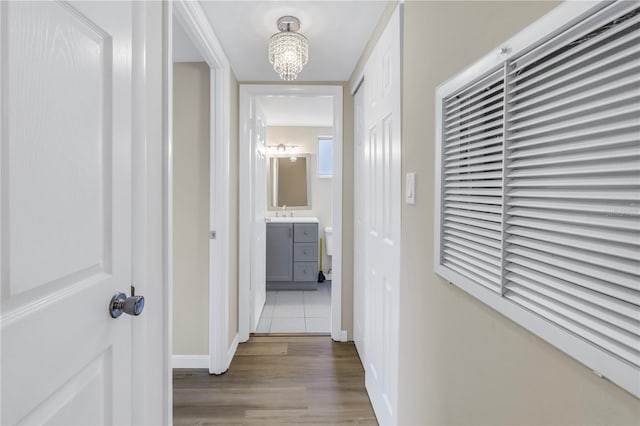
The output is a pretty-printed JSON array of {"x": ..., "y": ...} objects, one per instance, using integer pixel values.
[
  {"x": 66, "y": 211},
  {"x": 280, "y": 252},
  {"x": 260, "y": 278},
  {"x": 382, "y": 173}
]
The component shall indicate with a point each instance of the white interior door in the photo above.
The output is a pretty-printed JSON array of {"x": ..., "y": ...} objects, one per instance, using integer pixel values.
[
  {"x": 66, "y": 211},
  {"x": 360, "y": 226},
  {"x": 259, "y": 279},
  {"x": 383, "y": 201}
]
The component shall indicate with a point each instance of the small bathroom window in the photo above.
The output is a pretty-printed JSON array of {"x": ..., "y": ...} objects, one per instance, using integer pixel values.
[{"x": 325, "y": 156}]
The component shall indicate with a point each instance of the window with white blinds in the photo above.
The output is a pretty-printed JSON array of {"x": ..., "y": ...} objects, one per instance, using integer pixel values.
[{"x": 539, "y": 171}]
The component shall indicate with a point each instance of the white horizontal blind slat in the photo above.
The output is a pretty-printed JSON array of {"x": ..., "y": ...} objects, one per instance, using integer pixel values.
[
  {"x": 622, "y": 165},
  {"x": 608, "y": 220},
  {"x": 584, "y": 143},
  {"x": 568, "y": 228},
  {"x": 473, "y": 184},
  {"x": 573, "y": 179}
]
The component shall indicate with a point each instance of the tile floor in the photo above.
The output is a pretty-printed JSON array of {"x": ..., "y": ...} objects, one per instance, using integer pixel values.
[{"x": 297, "y": 311}]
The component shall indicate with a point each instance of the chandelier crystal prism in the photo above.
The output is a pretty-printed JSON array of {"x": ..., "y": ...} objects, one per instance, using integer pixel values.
[{"x": 288, "y": 49}]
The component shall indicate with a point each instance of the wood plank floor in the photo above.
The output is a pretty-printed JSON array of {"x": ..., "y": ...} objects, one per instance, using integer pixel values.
[{"x": 277, "y": 380}]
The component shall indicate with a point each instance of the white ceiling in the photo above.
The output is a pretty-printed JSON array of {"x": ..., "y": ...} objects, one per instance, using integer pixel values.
[
  {"x": 297, "y": 110},
  {"x": 183, "y": 48},
  {"x": 337, "y": 31}
]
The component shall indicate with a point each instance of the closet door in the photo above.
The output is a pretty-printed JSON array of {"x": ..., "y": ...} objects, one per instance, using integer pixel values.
[{"x": 382, "y": 206}]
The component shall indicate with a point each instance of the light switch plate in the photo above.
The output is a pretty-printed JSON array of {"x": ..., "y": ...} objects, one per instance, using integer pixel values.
[{"x": 410, "y": 188}]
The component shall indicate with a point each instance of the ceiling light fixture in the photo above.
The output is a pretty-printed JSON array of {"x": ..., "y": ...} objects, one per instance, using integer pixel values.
[{"x": 288, "y": 49}]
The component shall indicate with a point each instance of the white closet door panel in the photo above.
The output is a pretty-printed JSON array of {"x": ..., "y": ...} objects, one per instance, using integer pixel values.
[{"x": 382, "y": 174}]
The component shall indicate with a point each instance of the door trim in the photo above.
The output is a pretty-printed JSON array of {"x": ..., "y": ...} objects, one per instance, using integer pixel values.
[
  {"x": 248, "y": 93},
  {"x": 198, "y": 29}
]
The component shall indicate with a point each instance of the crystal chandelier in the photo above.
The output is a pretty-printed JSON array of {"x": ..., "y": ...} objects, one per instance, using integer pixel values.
[{"x": 288, "y": 49}]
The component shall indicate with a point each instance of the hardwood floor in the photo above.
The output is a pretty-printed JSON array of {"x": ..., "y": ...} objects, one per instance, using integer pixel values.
[{"x": 277, "y": 380}]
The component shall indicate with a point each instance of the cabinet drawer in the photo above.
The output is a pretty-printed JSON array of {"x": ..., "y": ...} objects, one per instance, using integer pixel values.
[
  {"x": 305, "y": 232},
  {"x": 305, "y": 252},
  {"x": 305, "y": 271}
]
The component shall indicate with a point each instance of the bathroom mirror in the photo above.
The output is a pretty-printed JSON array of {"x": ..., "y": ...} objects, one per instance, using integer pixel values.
[{"x": 288, "y": 183}]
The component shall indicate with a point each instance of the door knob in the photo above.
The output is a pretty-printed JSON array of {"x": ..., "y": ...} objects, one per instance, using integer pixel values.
[{"x": 132, "y": 305}]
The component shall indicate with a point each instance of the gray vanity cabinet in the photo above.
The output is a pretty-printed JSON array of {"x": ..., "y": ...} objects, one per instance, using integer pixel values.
[
  {"x": 292, "y": 256},
  {"x": 279, "y": 251}
]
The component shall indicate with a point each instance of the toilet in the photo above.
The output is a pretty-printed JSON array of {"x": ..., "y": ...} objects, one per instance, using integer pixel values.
[
  {"x": 328, "y": 240},
  {"x": 328, "y": 244}
]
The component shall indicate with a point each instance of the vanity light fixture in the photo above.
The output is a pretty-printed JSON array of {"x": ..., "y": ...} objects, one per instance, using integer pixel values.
[
  {"x": 284, "y": 150},
  {"x": 288, "y": 49}
]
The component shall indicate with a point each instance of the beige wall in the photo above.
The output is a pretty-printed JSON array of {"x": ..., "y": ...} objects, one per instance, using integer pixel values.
[
  {"x": 233, "y": 208},
  {"x": 321, "y": 188},
  {"x": 190, "y": 208},
  {"x": 460, "y": 361}
]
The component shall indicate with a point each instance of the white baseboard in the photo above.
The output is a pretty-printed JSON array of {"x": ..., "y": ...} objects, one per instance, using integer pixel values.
[
  {"x": 202, "y": 361},
  {"x": 190, "y": 361}
]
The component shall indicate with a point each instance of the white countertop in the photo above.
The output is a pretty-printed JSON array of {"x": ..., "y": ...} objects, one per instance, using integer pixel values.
[{"x": 289, "y": 219}]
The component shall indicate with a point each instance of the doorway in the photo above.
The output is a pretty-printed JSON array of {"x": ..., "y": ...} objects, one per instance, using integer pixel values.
[
  {"x": 298, "y": 148},
  {"x": 294, "y": 300},
  {"x": 196, "y": 43}
]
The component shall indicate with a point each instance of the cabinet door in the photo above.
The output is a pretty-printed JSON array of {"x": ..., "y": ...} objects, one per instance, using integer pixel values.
[{"x": 279, "y": 252}]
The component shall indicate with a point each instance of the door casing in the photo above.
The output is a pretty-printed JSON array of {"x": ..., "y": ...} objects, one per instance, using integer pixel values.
[
  {"x": 197, "y": 27},
  {"x": 247, "y": 267}
]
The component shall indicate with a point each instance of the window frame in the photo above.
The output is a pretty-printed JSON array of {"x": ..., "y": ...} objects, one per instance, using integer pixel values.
[
  {"x": 318, "y": 174},
  {"x": 601, "y": 362}
]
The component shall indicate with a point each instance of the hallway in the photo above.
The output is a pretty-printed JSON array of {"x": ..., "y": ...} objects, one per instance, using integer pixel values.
[{"x": 278, "y": 380}]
